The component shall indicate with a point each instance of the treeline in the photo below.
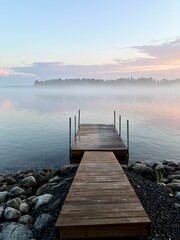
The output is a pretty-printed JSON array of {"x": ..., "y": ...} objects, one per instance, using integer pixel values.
[{"x": 100, "y": 82}]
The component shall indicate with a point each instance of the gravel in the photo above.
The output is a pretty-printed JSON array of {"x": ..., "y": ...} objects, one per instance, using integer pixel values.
[{"x": 161, "y": 208}]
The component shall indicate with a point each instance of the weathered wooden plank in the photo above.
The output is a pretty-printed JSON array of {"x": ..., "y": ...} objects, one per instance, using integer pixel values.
[
  {"x": 98, "y": 137},
  {"x": 101, "y": 202}
]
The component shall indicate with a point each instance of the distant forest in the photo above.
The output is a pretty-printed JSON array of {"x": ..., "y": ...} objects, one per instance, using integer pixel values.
[{"x": 99, "y": 82}]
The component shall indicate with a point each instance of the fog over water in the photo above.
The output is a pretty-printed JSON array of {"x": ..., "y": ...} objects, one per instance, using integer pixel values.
[{"x": 34, "y": 122}]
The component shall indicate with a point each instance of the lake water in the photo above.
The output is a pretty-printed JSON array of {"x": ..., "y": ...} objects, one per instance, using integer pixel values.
[{"x": 34, "y": 122}]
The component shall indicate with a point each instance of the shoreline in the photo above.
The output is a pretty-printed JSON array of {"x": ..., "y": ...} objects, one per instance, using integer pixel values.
[{"x": 30, "y": 201}]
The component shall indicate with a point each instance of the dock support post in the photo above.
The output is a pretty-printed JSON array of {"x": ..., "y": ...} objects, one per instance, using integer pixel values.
[
  {"x": 79, "y": 116},
  {"x": 74, "y": 126},
  {"x": 70, "y": 139},
  {"x": 114, "y": 119},
  {"x": 128, "y": 135},
  {"x": 119, "y": 125}
]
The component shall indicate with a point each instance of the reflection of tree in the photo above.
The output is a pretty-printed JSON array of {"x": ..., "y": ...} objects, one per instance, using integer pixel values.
[{"x": 92, "y": 81}]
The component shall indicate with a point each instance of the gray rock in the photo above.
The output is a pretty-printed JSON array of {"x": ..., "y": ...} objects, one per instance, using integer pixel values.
[
  {"x": 29, "y": 192},
  {"x": 177, "y": 205},
  {"x": 174, "y": 186},
  {"x": 55, "y": 205},
  {"x": 45, "y": 188},
  {"x": 10, "y": 180},
  {"x": 11, "y": 213},
  {"x": 41, "y": 180},
  {"x": 55, "y": 179},
  {"x": 24, "y": 208},
  {"x": 171, "y": 177},
  {"x": 58, "y": 186},
  {"x": 26, "y": 219},
  {"x": 3, "y": 187},
  {"x": 28, "y": 182},
  {"x": 14, "y": 203},
  {"x": 16, "y": 231},
  {"x": 15, "y": 192},
  {"x": 3, "y": 196},
  {"x": 68, "y": 168},
  {"x": 42, "y": 221},
  {"x": 1, "y": 211},
  {"x": 175, "y": 181},
  {"x": 41, "y": 200},
  {"x": 177, "y": 196},
  {"x": 144, "y": 170},
  {"x": 168, "y": 169}
]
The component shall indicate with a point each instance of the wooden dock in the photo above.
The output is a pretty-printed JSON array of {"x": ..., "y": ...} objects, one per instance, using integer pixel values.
[
  {"x": 101, "y": 202},
  {"x": 98, "y": 137}
]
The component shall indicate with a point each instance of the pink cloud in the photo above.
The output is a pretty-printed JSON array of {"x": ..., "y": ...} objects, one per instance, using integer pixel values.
[{"x": 160, "y": 61}]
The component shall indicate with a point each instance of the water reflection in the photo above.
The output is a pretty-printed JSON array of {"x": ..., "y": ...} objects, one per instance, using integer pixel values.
[{"x": 35, "y": 127}]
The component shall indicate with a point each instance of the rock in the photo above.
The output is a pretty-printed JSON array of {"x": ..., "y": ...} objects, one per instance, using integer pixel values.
[
  {"x": 15, "y": 192},
  {"x": 26, "y": 219},
  {"x": 29, "y": 192},
  {"x": 174, "y": 186},
  {"x": 177, "y": 206},
  {"x": 55, "y": 179},
  {"x": 1, "y": 211},
  {"x": 41, "y": 200},
  {"x": 168, "y": 169},
  {"x": 177, "y": 196},
  {"x": 49, "y": 175},
  {"x": 57, "y": 187},
  {"x": 171, "y": 177},
  {"x": 3, "y": 187},
  {"x": 55, "y": 205},
  {"x": 168, "y": 190},
  {"x": 67, "y": 169},
  {"x": 24, "y": 208},
  {"x": 10, "y": 180},
  {"x": 45, "y": 188},
  {"x": 41, "y": 180},
  {"x": 14, "y": 203},
  {"x": 143, "y": 170},
  {"x": 28, "y": 182},
  {"x": 42, "y": 221},
  {"x": 11, "y": 213},
  {"x": 3, "y": 196},
  {"x": 16, "y": 231},
  {"x": 175, "y": 181}
]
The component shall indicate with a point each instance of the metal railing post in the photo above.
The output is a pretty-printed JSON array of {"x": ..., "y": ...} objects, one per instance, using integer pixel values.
[
  {"x": 79, "y": 118},
  {"x": 70, "y": 139},
  {"x": 128, "y": 135},
  {"x": 114, "y": 119},
  {"x": 74, "y": 126},
  {"x": 119, "y": 125}
]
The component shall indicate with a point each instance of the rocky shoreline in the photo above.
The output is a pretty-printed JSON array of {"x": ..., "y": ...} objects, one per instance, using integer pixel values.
[{"x": 30, "y": 201}]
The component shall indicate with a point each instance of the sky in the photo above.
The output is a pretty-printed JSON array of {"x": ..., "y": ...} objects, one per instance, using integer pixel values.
[{"x": 103, "y": 39}]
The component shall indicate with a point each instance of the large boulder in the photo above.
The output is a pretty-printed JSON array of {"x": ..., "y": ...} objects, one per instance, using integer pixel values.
[
  {"x": 16, "y": 231},
  {"x": 174, "y": 186},
  {"x": 29, "y": 181},
  {"x": 11, "y": 213},
  {"x": 14, "y": 203},
  {"x": 42, "y": 221},
  {"x": 3, "y": 196},
  {"x": 15, "y": 192},
  {"x": 26, "y": 219},
  {"x": 45, "y": 188},
  {"x": 24, "y": 208},
  {"x": 42, "y": 200}
]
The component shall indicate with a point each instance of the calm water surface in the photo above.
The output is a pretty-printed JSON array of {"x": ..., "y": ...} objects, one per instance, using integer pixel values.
[{"x": 34, "y": 122}]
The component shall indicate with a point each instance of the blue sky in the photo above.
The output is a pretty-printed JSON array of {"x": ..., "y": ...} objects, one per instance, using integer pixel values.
[{"x": 104, "y": 39}]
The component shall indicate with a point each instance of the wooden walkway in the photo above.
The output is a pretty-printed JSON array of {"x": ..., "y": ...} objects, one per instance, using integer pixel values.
[
  {"x": 98, "y": 137},
  {"x": 101, "y": 202}
]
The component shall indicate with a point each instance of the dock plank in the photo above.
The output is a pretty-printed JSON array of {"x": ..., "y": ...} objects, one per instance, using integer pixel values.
[
  {"x": 101, "y": 202},
  {"x": 98, "y": 137}
]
